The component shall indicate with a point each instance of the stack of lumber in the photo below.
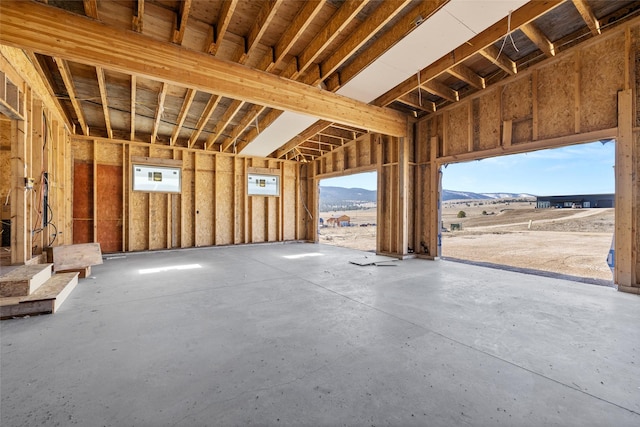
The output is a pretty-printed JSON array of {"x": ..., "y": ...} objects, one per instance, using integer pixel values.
[{"x": 31, "y": 290}]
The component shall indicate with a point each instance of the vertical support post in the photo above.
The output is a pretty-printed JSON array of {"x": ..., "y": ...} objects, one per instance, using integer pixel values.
[
  {"x": 19, "y": 254},
  {"x": 403, "y": 191},
  {"x": 434, "y": 200},
  {"x": 95, "y": 191},
  {"x": 624, "y": 262},
  {"x": 381, "y": 214}
]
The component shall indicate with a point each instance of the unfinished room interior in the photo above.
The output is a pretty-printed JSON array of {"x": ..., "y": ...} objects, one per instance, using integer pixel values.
[{"x": 159, "y": 170}]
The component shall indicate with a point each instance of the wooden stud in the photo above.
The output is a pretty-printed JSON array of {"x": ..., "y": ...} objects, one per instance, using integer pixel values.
[
  {"x": 624, "y": 170},
  {"x": 507, "y": 133},
  {"x": 534, "y": 105},
  {"x": 94, "y": 185},
  {"x": 133, "y": 108},
  {"x": 577, "y": 86}
]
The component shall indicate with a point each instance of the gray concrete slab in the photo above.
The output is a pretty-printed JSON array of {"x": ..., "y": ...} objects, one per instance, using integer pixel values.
[{"x": 294, "y": 334}]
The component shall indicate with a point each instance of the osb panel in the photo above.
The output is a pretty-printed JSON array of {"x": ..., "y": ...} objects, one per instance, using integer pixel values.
[
  {"x": 107, "y": 153},
  {"x": 82, "y": 150},
  {"x": 458, "y": 130},
  {"x": 139, "y": 221},
  {"x": 272, "y": 218},
  {"x": 82, "y": 202},
  {"x": 338, "y": 157},
  {"x": 421, "y": 142},
  {"x": 205, "y": 162},
  {"x": 364, "y": 151},
  {"x": 488, "y": 122},
  {"x": 601, "y": 77},
  {"x": 204, "y": 206},
  {"x": 289, "y": 195},
  {"x": 5, "y": 159},
  {"x": 258, "y": 209},
  {"x": 522, "y": 131},
  {"x": 224, "y": 164},
  {"x": 517, "y": 99},
  {"x": 160, "y": 152},
  {"x": 158, "y": 217},
  {"x": 109, "y": 206},
  {"x": 188, "y": 160},
  {"x": 139, "y": 150},
  {"x": 224, "y": 206},
  {"x": 352, "y": 156},
  {"x": 187, "y": 208},
  {"x": 556, "y": 99}
]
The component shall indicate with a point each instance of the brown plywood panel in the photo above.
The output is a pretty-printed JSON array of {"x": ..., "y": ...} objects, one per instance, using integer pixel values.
[
  {"x": 556, "y": 99},
  {"x": 82, "y": 202},
  {"x": 109, "y": 206},
  {"x": 458, "y": 130},
  {"x": 601, "y": 77},
  {"x": 487, "y": 121},
  {"x": 517, "y": 100}
]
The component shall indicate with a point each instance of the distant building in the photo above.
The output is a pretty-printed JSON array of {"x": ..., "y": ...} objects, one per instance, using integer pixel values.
[
  {"x": 339, "y": 221},
  {"x": 576, "y": 201}
]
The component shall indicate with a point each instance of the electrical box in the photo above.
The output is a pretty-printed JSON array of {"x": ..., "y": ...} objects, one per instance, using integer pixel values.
[
  {"x": 28, "y": 183},
  {"x": 156, "y": 178},
  {"x": 263, "y": 185}
]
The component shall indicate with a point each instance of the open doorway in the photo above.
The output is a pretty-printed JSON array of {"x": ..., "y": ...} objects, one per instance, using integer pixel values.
[
  {"x": 348, "y": 211},
  {"x": 547, "y": 211}
]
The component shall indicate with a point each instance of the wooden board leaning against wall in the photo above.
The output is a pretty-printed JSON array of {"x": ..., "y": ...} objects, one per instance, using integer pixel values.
[{"x": 212, "y": 208}]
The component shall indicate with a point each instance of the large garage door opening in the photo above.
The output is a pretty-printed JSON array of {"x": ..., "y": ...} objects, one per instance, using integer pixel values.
[
  {"x": 548, "y": 211},
  {"x": 348, "y": 211}
]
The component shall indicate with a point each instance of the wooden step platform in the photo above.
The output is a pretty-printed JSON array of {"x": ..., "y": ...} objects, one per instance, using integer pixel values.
[
  {"x": 45, "y": 300},
  {"x": 24, "y": 280}
]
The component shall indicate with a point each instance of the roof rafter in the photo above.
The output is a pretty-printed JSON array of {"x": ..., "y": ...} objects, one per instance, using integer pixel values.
[
  {"x": 159, "y": 111},
  {"x": 63, "y": 67},
  {"x": 318, "y": 126},
  {"x": 213, "y": 102},
  {"x": 137, "y": 21},
  {"x": 384, "y": 13},
  {"x": 467, "y": 75},
  {"x": 91, "y": 8},
  {"x": 181, "y": 21},
  {"x": 182, "y": 115},
  {"x": 220, "y": 28},
  {"x": 246, "y": 121},
  {"x": 51, "y": 31},
  {"x": 527, "y": 13},
  {"x": 539, "y": 39},
  {"x": 588, "y": 16},
  {"x": 102, "y": 85}
]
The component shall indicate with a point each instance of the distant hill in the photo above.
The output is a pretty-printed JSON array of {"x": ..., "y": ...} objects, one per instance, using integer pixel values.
[
  {"x": 339, "y": 198},
  {"x": 467, "y": 195}
]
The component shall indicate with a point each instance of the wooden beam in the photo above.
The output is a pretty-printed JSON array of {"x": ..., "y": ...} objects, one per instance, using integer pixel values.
[
  {"x": 384, "y": 13},
  {"x": 467, "y": 75},
  {"x": 500, "y": 59},
  {"x": 260, "y": 26},
  {"x": 138, "y": 16},
  {"x": 159, "y": 111},
  {"x": 330, "y": 32},
  {"x": 441, "y": 90},
  {"x": 204, "y": 118},
  {"x": 222, "y": 25},
  {"x": 103, "y": 96},
  {"x": 527, "y": 13},
  {"x": 228, "y": 115},
  {"x": 55, "y": 32},
  {"x": 134, "y": 86},
  {"x": 384, "y": 42},
  {"x": 624, "y": 182},
  {"x": 318, "y": 126},
  {"x": 184, "y": 111},
  {"x": 91, "y": 8},
  {"x": 534, "y": 34},
  {"x": 181, "y": 21},
  {"x": 299, "y": 24},
  {"x": 63, "y": 67},
  {"x": 588, "y": 16}
]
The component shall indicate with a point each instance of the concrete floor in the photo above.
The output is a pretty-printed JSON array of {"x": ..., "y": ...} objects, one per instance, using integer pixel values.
[{"x": 255, "y": 338}]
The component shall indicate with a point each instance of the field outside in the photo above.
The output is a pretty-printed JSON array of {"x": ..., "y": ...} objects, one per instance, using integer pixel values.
[{"x": 565, "y": 241}]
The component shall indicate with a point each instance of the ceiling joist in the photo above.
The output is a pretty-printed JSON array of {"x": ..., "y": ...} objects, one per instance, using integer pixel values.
[
  {"x": 63, "y": 67},
  {"x": 55, "y": 32}
]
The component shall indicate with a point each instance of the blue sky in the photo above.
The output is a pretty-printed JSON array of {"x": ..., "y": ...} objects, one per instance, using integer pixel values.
[{"x": 576, "y": 169}]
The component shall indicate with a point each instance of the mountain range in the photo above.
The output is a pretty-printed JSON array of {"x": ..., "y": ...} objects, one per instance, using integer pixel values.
[{"x": 336, "y": 198}]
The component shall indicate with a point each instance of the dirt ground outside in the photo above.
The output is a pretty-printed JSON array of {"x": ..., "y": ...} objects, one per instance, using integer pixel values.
[{"x": 573, "y": 242}]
